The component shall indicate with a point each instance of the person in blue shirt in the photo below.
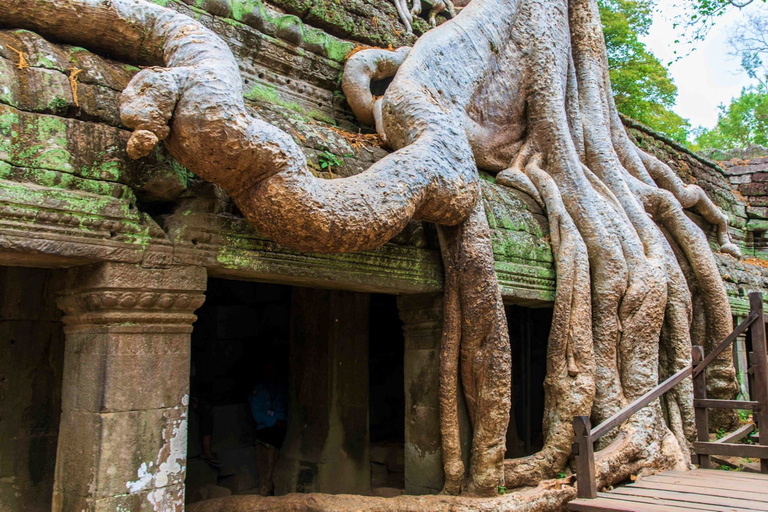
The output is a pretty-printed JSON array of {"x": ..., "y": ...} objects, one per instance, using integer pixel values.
[{"x": 269, "y": 408}]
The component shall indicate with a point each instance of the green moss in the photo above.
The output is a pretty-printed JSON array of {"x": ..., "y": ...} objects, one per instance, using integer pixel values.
[
  {"x": 333, "y": 48},
  {"x": 266, "y": 93},
  {"x": 319, "y": 116},
  {"x": 242, "y": 7}
]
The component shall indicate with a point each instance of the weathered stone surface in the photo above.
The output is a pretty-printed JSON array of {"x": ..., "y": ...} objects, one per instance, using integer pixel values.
[
  {"x": 422, "y": 317},
  {"x": 329, "y": 390},
  {"x": 123, "y": 436}
]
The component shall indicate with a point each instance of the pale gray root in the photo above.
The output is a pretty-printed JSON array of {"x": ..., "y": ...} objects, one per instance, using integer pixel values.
[
  {"x": 521, "y": 81},
  {"x": 569, "y": 386},
  {"x": 360, "y": 70},
  {"x": 405, "y": 14}
]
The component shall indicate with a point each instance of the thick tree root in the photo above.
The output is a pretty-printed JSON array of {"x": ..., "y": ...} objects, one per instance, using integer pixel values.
[
  {"x": 518, "y": 86},
  {"x": 552, "y": 495}
]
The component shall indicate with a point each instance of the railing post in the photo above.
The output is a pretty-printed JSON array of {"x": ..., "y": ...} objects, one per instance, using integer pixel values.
[
  {"x": 701, "y": 413},
  {"x": 585, "y": 457},
  {"x": 760, "y": 393}
]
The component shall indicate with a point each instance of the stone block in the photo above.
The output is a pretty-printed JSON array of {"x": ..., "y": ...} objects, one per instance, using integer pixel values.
[
  {"x": 163, "y": 499},
  {"x": 115, "y": 371},
  {"x": 757, "y": 212},
  {"x": 754, "y": 189},
  {"x": 121, "y": 453},
  {"x": 760, "y": 177},
  {"x": 379, "y": 474},
  {"x": 426, "y": 475}
]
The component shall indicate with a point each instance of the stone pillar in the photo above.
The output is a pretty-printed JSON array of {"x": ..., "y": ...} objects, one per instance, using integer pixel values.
[
  {"x": 422, "y": 317},
  {"x": 327, "y": 446},
  {"x": 123, "y": 434}
]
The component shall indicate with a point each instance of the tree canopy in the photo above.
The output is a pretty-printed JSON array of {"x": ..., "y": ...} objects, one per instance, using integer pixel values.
[
  {"x": 741, "y": 124},
  {"x": 642, "y": 87}
]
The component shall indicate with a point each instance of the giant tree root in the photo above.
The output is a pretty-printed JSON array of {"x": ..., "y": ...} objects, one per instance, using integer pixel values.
[
  {"x": 547, "y": 497},
  {"x": 516, "y": 87}
]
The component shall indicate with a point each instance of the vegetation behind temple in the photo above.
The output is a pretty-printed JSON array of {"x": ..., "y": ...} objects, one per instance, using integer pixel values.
[{"x": 642, "y": 87}]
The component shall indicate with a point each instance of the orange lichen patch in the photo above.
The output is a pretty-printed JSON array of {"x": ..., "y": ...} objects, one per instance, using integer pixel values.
[
  {"x": 355, "y": 50},
  {"x": 739, "y": 196},
  {"x": 362, "y": 47},
  {"x": 756, "y": 262},
  {"x": 375, "y": 23},
  {"x": 22, "y": 60},
  {"x": 358, "y": 140},
  {"x": 73, "y": 72}
]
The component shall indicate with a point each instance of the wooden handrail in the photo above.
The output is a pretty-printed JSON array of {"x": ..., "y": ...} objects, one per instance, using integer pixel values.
[
  {"x": 585, "y": 436},
  {"x": 743, "y": 326}
]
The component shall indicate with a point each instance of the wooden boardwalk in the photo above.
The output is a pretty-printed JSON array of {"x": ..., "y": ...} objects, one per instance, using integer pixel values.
[{"x": 673, "y": 491}]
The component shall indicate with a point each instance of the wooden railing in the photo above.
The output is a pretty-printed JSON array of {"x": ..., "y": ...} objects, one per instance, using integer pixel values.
[{"x": 585, "y": 436}]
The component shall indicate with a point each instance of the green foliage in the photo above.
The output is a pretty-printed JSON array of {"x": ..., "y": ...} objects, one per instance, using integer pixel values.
[
  {"x": 702, "y": 9},
  {"x": 700, "y": 15},
  {"x": 739, "y": 125},
  {"x": 502, "y": 490},
  {"x": 641, "y": 84},
  {"x": 328, "y": 160}
]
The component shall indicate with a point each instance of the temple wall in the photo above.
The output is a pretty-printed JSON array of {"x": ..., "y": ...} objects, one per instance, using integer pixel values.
[{"x": 70, "y": 196}]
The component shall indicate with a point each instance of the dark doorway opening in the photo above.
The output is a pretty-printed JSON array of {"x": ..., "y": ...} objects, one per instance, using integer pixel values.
[
  {"x": 528, "y": 336},
  {"x": 241, "y": 327},
  {"x": 386, "y": 395}
]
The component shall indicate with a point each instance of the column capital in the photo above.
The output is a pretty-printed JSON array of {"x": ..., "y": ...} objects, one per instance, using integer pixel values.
[{"x": 127, "y": 297}]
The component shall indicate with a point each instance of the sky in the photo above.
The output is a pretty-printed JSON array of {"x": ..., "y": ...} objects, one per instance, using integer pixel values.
[{"x": 705, "y": 77}]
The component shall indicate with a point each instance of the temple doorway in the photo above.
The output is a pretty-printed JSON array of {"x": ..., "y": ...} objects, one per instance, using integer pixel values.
[
  {"x": 528, "y": 335},
  {"x": 340, "y": 356}
]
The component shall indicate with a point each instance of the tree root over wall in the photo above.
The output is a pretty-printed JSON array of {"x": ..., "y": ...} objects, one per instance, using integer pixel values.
[{"x": 517, "y": 87}]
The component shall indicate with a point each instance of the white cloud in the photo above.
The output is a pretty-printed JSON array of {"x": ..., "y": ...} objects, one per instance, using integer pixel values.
[{"x": 706, "y": 75}]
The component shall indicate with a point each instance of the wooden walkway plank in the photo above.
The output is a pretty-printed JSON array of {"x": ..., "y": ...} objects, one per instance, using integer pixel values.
[
  {"x": 732, "y": 484},
  {"x": 719, "y": 473},
  {"x": 761, "y": 497},
  {"x": 703, "y": 499},
  {"x": 656, "y": 500},
  {"x": 609, "y": 504}
]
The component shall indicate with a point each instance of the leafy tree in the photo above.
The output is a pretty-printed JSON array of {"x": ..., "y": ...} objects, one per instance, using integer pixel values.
[
  {"x": 742, "y": 123},
  {"x": 749, "y": 41},
  {"x": 700, "y": 15},
  {"x": 641, "y": 84}
]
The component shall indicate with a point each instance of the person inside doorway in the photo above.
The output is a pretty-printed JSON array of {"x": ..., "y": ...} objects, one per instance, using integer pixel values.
[{"x": 269, "y": 407}]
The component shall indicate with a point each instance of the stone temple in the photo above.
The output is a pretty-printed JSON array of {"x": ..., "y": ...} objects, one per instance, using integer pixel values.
[{"x": 126, "y": 286}]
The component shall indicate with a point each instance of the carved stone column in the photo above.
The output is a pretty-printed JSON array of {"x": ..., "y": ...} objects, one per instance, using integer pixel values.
[
  {"x": 123, "y": 434},
  {"x": 422, "y": 317}
]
